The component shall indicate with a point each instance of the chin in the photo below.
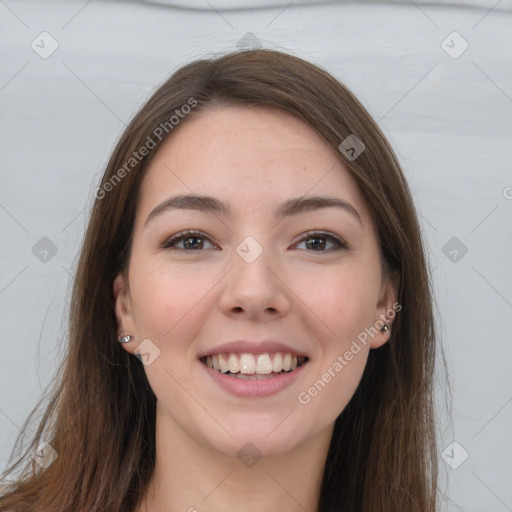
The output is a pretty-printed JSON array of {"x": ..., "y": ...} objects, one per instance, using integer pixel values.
[{"x": 269, "y": 438}]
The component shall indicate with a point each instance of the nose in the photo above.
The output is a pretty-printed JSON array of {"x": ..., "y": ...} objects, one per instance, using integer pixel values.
[{"x": 255, "y": 289}]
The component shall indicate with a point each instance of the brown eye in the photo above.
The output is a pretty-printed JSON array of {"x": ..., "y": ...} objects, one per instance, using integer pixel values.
[
  {"x": 192, "y": 241},
  {"x": 317, "y": 241}
]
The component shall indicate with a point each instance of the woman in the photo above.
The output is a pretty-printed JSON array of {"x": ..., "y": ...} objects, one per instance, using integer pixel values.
[{"x": 251, "y": 319}]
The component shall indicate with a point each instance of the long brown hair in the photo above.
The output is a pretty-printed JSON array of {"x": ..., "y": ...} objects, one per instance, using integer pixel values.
[{"x": 100, "y": 416}]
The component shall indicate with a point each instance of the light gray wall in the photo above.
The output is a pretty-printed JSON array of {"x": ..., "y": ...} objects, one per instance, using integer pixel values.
[{"x": 449, "y": 117}]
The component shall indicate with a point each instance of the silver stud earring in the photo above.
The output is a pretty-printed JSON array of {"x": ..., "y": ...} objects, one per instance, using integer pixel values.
[
  {"x": 126, "y": 339},
  {"x": 385, "y": 328}
]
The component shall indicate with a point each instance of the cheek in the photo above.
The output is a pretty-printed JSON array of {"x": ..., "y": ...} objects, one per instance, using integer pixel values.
[
  {"x": 346, "y": 305},
  {"x": 166, "y": 301},
  {"x": 345, "y": 299}
]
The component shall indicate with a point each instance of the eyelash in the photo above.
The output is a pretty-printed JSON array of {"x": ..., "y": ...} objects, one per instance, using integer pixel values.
[{"x": 171, "y": 242}]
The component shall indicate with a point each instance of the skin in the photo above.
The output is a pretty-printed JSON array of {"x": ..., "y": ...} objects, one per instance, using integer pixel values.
[{"x": 315, "y": 299}]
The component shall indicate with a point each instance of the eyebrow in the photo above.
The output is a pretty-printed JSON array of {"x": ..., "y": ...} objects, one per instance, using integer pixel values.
[{"x": 208, "y": 204}]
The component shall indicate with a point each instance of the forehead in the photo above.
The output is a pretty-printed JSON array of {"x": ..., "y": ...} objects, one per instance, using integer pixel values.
[{"x": 248, "y": 157}]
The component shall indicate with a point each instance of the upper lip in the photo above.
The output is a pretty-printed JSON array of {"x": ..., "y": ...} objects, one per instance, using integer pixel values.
[{"x": 252, "y": 347}]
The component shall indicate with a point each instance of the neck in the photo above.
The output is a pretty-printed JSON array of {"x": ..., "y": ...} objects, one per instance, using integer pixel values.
[{"x": 191, "y": 477}]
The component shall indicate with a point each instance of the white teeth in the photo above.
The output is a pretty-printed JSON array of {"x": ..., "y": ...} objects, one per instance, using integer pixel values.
[
  {"x": 251, "y": 364},
  {"x": 247, "y": 364},
  {"x": 264, "y": 364},
  {"x": 233, "y": 363},
  {"x": 277, "y": 363},
  {"x": 223, "y": 363}
]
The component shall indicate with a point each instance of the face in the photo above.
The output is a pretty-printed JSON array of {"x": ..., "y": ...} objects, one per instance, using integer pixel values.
[{"x": 268, "y": 272}]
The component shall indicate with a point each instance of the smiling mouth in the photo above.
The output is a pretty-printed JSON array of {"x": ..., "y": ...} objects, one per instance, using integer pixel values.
[{"x": 254, "y": 366}]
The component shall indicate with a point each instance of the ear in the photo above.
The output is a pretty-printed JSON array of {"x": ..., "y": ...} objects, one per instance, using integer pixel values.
[
  {"x": 123, "y": 308},
  {"x": 387, "y": 308}
]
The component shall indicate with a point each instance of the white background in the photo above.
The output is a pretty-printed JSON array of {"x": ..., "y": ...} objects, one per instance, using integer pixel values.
[{"x": 449, "y": 120}]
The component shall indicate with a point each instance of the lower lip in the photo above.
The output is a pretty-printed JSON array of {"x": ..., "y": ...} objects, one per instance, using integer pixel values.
[{"x": 254, "y": 388}]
